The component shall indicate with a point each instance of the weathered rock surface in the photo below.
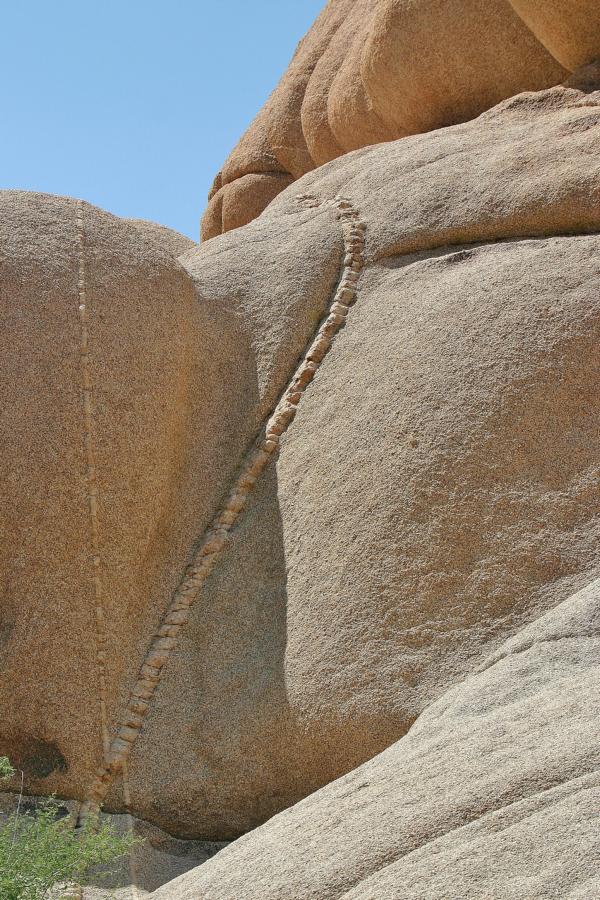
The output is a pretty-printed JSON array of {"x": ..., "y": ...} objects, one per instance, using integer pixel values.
[
  {"x": 167, "y": 239},
  {"x": 371, "y": 71},
  {"x": 439, "y": 485},
  {"x": 437, "y": 491},
  {"x": 494, "y": 792},
  {"x": 115, "y": 407},
  {"x": 569, "y": 29}
]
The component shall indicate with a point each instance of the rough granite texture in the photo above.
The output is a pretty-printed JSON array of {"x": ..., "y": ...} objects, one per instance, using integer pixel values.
[
  {"x": 215, "y": 541},
  {"x": 413, "y": 564},
  {"x": 98, "y": 507},
  {"x": 437, "y": 490},
  {"x": 438, "y": 487},
  {"x": 494, "y": 792},
  {"x": 169, "y": 241},
  {"x": 378, "y": 70}
]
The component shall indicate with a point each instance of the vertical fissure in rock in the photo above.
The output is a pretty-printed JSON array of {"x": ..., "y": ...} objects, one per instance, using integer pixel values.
[{"x": 91, "y": 478}]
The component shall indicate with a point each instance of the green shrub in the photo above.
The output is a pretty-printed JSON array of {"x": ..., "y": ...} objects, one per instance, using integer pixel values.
[
  {"x": 42, "y": 850},
  {"x": 6, "y": 770}
]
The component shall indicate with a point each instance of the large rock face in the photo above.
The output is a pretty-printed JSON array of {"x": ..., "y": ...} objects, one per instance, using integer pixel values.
[
  {"x": 114, "y": 408},
  {"x": 439, "y": 485},
  {"x": 436, "y": 492},
  {"x": 371, "y": 71},
  {"x": 493, "y": 793},
  {"x": 383, "y": 597}
]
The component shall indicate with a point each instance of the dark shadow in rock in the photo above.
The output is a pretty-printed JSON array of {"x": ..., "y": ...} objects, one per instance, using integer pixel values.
[{"x": 35, "y": 757}]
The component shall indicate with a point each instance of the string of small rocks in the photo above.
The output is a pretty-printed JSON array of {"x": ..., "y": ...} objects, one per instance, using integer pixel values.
[{"x": 217, "y": 535}]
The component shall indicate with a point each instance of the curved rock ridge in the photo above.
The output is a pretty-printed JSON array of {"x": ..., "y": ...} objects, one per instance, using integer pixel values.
[
  {"x": 371, "y": 71},
  {"x": 494, "y": 792}
]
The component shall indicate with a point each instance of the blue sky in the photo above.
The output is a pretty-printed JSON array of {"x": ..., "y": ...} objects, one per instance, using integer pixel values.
[{"x": 134, "y": 104}]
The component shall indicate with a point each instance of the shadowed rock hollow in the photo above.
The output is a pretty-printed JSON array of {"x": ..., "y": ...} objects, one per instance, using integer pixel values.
[{"x": 245, "y": 606}]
